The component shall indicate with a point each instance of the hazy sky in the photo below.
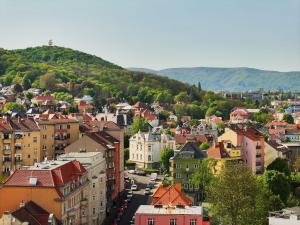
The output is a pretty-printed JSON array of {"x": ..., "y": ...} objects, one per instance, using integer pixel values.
[{"x": 161, "y": 33}]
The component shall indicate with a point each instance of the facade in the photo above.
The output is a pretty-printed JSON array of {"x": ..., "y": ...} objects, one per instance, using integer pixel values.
[
  {"x": 289, "y": 216},
  {"x": 170, "y": 215},
  {"x": 252, "y": 145},
  {"x": 239, "y": 115},
  {"x": 94, "y": 163},
  {"x": 145, "y": 148},
  {"x": 56, "y": 134},
  {"x": 21, "y": 144},
  {"x": 184, "y": 163},
  {"x": 60, "y": 187}
]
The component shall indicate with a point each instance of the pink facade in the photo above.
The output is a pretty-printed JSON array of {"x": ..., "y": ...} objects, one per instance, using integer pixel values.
[{"x": 149, "y": 215}]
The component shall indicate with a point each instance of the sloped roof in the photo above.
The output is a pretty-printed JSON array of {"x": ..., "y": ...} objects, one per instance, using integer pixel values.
[
  {"x": 170, "y": 196},
  {"x": 193, "y": 148}
]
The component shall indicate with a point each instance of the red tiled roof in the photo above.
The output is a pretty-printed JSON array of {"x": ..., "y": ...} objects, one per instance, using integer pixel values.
[
  {"x": 217, "y": 151},
  {"x": 180, "y": 138},
  {"x": 171, "y": 196},
  {"x": 276, "y": 122},
  {"x": 56, "y": 177},
  {"x": 239, "y": 111},
  {"x": 44, "y": 98}
]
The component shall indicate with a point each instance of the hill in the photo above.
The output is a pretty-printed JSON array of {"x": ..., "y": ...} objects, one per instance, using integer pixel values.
[
  {"x": 233, "y": 79},
  {"x": 79, "y": 73}
]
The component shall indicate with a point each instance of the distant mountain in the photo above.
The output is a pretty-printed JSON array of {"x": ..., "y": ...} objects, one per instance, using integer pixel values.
[{"x": 231, "y": 79}]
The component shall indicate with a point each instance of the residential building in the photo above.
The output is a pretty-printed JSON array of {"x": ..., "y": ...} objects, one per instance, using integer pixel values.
[
  {"x": 94, "y": 163},
  {"x": 21, "y": 144},
  {"x": 170, "y": 215},
  {"x": 145, "y": 148},
  {"x": 60, "y": 187},
  {"x": 184, "y": 163},
  {"x": 29, "y": 213},
  {"x": 110, "y": 148},
  {"x": 57, "y": 132},
  {"x": 251, "y": 143},
  {"x": 223, "y": 152},
  {"x": 288, "y": 216},
  {"x": 239, "y": 115}
]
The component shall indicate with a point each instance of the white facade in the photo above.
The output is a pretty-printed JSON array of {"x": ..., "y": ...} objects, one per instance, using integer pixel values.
[
  {"x": 144, "y": 148},
  {"x": 288, "y": 216},
  {"x": 94, "y": 163}
]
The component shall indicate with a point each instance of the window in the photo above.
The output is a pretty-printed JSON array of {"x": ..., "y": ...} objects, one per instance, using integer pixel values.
[
  {"x": 132, "y": 156},
  {"x": 141, "y": 156},
  {"x": 186, "y": 186},
  {"x": 94, "y": 185},
  {"x": 193, "y": 221},
  {"x": 94, "y": 211},
  {"x": 177, "y": 165},
  {"x": 151, "y": 221},
  {"x": 173, "y": 221},
  {"x": 28, "y": 134},
  {"x": 93, "y": 197},
  {"x": 196, "y": 166},
  {"x": 44, "y": 137},
  {"x": 177, "y": 175},
  {"x": 44, "y": 147},
  {"x": 34, "y": 139},
  {"x": 149, "y": 148},
  {"x": 149, "y": 157},
  {"x": 28, "y": 156}
]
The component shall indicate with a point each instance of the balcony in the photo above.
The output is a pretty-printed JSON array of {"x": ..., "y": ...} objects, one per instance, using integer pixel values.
[
  {"x": 84, "y": 202},
  {"x": 6, "y": 159},
  {"x": 18, "y": 147}
]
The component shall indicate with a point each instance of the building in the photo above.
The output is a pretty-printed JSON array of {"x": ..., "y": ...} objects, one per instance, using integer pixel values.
[
  {"x": 239, "y": 115},
  {"x": 184, "y": 163},
  {"x": 21, "y": 144},
  {"x": 145, "y": 148},
  {"x": 29, "y": 213},
  {"x": 251, "y": 143},
  {"x": 173, "y": 215},
  {"x": 60, "y": 187},
  {"x": 94, "y": 163},
  {"x": 289, "y": 216},
  {"x": 57, "y": 132},
  {"x": 171, "y": 195},
  {"x": 223, "y": 152}
]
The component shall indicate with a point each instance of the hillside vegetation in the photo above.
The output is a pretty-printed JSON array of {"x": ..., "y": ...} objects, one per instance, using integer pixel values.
[{"x": 232, "y": 79}]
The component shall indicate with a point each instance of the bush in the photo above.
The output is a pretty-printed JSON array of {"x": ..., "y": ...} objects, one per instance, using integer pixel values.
[
  {"x": 130, "y": 163},
  {"x": 148, "y": 170}
]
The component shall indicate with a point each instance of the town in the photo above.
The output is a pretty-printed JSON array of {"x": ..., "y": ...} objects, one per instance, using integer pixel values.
[{"x": 67, "y": 160}]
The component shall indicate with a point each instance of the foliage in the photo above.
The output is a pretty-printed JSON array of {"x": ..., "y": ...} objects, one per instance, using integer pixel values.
[
  {"x": 13, "y": 105},
  {"x": 139, "y": 124},
  {"x": 149, "y": 170},
  {"x": 278, "y": 183},
  {"x": 297, "y": 164},
  {"x": 48, "y": 82},
  {"x": 237, "y": 198},
  {"x": 204, "y": 146},
  {"x": 126, "y": 154},
  {"x": 280, "y": 165},
  {"x": 262, "y": 117},
  {"x": 61, "y": 96},
  {"x": 288, "y": 118},
  {"x": 165, "y": 156},
  {"x": 182, "y": 97}
]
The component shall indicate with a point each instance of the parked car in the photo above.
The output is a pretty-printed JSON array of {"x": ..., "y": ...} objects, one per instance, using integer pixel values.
[
  {"x": 129, "y": 195},
  {"x": 147, "y": 191},
  {"x": 140, "y": 173},
  {"x": 131, "y": 171},
  {"x": 151, "y": 185},
  {"x": 134, "y": 187}
]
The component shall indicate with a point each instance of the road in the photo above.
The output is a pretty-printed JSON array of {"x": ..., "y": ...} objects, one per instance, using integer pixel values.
[{"x": 138, "y": 198}]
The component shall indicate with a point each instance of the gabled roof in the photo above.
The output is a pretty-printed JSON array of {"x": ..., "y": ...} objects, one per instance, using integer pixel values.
[
  {"x": 44, "y": 98},
  {"x": 170, "y": 196},
  {"x": 191, "y": 147},
  {"x": 33, "y": 214},
  {"x": 23, "y": 124}
]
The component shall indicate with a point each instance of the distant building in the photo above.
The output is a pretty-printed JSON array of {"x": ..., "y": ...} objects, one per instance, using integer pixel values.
[
  {"x": 145, "y": 148},
  {"x": 288, "y": 216}
]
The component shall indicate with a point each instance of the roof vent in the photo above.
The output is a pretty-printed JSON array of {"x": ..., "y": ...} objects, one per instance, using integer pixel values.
[{"x": 33, "y": 181}]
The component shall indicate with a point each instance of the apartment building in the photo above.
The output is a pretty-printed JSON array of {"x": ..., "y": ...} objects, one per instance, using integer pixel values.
[
  {"x": 60, "y": 187},
  {"x": 94, "y": 163},
  {"x": 288, "y": 216},
  {"x": 56, "y": 134},
  {"x": 20, "y": 144}
]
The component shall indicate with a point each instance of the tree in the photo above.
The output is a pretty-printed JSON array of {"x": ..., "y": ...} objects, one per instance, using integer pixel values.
[
  {"x": 221, "y": 126},
  {"x": 28, "y": 95},
  {"x": 18, "y": 88},
  {"x": 236, "y": 197},
  {"x": 26, "y": 82},
  {"x": 203, "y": 178},
  {"x": 13, "y": 105},
  {"x": 48, "y": 82},
  {"x": 288, "y": 118},
  {"x": 204, "y": 146},
  {"x": 199, "y": 86},
  {"x": 297, "y": 164},
  {"x": 278, "y": 183},
  {"x": 165, "y": 156},
  {"x": 280, "y": 165},
  {"x": 182, "y": 97},
  {"x": 139, "y": 124}
]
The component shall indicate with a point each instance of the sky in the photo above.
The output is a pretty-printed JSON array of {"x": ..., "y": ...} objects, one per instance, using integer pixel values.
[{"x": 161, "y": 34}]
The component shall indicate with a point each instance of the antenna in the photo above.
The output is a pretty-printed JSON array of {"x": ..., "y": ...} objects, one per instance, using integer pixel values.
[{"x": 50, "y": 42}]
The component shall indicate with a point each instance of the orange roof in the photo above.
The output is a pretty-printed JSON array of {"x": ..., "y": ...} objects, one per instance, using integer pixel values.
[{"x": 171, "y": 196}]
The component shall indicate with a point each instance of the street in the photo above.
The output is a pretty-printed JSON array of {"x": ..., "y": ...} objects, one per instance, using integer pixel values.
[{"x": 139, "y": 198}]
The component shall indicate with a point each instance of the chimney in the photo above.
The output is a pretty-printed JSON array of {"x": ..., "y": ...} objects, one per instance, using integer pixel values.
[{"x": 22, "y": 204}]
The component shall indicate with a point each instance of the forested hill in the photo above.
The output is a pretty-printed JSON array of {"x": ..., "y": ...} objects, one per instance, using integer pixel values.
[
  {"x": 232, "y": 79},
  {"x": 85, "y": 74}
]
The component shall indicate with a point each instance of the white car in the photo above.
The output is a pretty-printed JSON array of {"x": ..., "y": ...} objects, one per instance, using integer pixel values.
[
  {"x": 131, "y": 171},
  {"x": 134, "y": 187},
  {"x": 147, "y": 191}
]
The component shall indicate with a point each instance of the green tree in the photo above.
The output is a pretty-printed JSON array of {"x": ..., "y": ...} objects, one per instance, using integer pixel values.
[
  {"x": 288, "y": 118},
  {"x": 26, "y": 82},
  {"x": 278, "y": 183},
  {"x": 165, "y": 156},
  {"x": 236, "y": 198},
  {"x": 28, "y": 95},
  {"x": 204, "y": 146},
  {"x": 297, "y": 164},
  {"x": 199, "y": 86},
  {"x": 139, "y": 124},
  {"x": 280, "y": 165},
  {"x": 13, "y": 105},
  {"x": 182, "y": 97},
  {"x": 48, "y": 82}
]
